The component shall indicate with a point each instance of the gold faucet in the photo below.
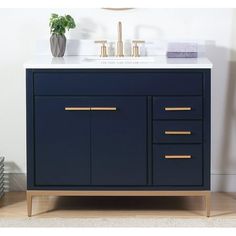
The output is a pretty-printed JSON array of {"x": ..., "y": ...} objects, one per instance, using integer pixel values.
[{"x": 120, "y": 48}]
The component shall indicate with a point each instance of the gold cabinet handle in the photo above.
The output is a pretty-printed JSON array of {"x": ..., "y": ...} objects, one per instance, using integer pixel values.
[
  {"x": 178, "y": 132},
  {"x": 90, "y": 108},
  {"x": 178, "y": 108},
  {"x": 103, "y": 108},
  {"x": 178, "y": 156},
  {"x": 77, "y": 108}
]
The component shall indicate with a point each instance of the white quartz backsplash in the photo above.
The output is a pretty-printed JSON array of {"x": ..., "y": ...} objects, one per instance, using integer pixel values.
[{"x": 89, "y": 48}]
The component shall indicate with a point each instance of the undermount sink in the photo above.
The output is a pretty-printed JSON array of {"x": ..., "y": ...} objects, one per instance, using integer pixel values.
[{"x": 119, "y": 59}]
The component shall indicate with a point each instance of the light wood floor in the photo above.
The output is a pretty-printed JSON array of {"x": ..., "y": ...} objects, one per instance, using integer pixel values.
[{"x": 13, "y": 205}]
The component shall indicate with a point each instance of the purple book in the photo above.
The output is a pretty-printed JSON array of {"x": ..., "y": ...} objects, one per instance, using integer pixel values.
[{"x": 182, "y": 54}]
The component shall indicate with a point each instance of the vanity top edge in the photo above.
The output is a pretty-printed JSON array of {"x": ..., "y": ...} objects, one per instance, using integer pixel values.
[{"x": 79, "y": 62}]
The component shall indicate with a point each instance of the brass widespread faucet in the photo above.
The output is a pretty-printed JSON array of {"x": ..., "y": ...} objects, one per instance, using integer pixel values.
[{"x": 120, "y": 47}]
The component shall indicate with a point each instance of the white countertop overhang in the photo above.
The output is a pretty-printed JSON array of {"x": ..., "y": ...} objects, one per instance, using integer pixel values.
[{"x": 80, "y": 62}]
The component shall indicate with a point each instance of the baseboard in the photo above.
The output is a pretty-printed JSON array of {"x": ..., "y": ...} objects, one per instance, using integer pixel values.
[
  {"x": 223, "y": 182},
  {"x": 219, "y": 182}
]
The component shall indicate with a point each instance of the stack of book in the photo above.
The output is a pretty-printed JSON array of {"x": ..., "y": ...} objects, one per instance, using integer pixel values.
[
  {"x": 182, "y": 50},
  {"x": 1, "y": 176}
]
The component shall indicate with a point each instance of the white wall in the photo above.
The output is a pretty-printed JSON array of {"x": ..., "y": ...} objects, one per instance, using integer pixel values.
[{"x": 20, "y": 29}]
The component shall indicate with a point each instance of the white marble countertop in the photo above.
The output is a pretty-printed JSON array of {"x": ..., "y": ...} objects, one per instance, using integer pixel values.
[{"x": 82, "y": 62}]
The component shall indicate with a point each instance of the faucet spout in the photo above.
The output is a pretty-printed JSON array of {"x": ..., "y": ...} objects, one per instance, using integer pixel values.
[
  {"x": 119, "y": 31},
  {"x": 120, "y": 49}
]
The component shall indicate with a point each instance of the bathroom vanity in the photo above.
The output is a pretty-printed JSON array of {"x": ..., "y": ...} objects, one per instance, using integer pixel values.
[{"x": 118, "y": 129}]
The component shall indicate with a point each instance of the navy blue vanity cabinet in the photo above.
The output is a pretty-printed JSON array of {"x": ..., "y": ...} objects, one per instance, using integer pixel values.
[{"x": 118, "y": 129}]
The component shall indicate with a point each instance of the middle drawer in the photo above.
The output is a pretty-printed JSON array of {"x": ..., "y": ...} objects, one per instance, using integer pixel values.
[{"x": 177, "y": 131}]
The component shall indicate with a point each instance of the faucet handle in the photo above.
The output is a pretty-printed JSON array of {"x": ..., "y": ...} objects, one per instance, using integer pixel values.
[
  {"x": 138, "y": 41},
  {"x": 103, "y": 47},
  {"x": 135, "y": 51}
]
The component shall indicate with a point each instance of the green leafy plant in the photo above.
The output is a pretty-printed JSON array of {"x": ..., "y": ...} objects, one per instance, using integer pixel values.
[{"x": 59, "y": 24}]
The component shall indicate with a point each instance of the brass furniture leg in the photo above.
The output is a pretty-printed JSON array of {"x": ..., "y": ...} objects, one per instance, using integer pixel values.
[
  {"x": 208, "y": 203},
  {"x": 29, "y": 202}
]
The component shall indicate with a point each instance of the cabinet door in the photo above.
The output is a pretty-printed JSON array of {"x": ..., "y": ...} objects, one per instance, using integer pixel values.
[
  {"x": 62, "y": 142},
  {"x": 118, "y": 141}
]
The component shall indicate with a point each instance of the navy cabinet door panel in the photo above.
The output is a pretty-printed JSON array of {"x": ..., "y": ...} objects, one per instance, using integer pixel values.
[
  {"x": 115, "y": 82},
  {"x": 178, "y": 171},
  {"x": 172, "y": 131},
  {"x": 118, "y": 141},
  {"x": 177, "y": 107},
  {"x": 62, "y": 142}
]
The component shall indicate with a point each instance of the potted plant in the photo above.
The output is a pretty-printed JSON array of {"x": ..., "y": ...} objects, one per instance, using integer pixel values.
[{"x": 58, "y": 26}]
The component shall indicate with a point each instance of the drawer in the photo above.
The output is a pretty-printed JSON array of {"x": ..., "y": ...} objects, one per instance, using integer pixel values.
[
  {"x": 178, "y": 165},
  {"x": 117, "y": 82},
  {"x": 177, "y": 131},
  {"x": 177, "y": 107}
]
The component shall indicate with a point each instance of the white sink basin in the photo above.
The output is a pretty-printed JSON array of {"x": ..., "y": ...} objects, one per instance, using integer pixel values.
[{"x": 119, "y": 60}]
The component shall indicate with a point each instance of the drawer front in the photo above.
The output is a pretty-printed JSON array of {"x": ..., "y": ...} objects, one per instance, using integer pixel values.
[
  {"x": 177, "y": 107},
  {"x": 118, "y": 82},
  {"x": 178, "y": 165},
  {"x": 177, "y": 131}
]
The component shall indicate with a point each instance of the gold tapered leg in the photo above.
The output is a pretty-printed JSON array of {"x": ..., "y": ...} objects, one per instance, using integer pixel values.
[
  {"x": 208, "y": 203},
  {"x": 29, "y": 203}
]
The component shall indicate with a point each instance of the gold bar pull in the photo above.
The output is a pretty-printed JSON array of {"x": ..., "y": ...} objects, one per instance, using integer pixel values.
[
  {"x": 178, "y": 108},
  {"x": 178, "y": 132},
  {"x": 103, "y": 108},
  {"x": 178, "y": 156},
  {"x": 90, "y": 108},
  {"x": 77, "y": 108}
]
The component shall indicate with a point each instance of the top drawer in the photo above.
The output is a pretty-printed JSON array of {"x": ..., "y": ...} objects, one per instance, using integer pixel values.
[
  {"x": 177, "y": 107},
  {"x": 118, "y": 82}
]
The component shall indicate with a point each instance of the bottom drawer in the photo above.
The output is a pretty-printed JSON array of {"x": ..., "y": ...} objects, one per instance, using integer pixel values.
[{"x": 177, "y": 165}]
